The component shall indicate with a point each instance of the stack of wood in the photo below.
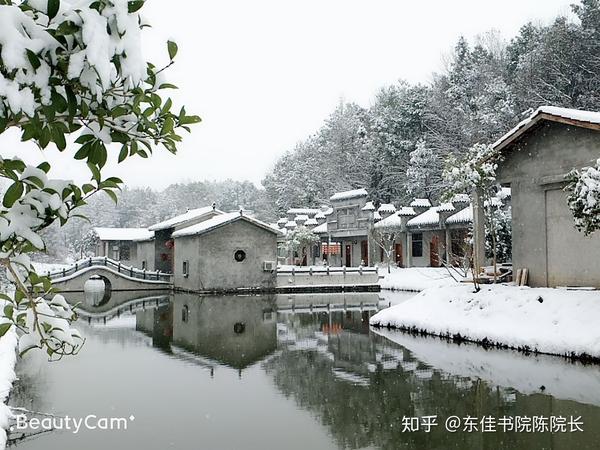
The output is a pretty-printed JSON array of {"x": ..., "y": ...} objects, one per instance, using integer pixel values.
[{"x": 522, "y": 277}]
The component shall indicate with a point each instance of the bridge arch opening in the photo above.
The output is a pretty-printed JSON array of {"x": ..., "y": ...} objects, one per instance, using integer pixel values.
[{"x": 97, "y": 290}]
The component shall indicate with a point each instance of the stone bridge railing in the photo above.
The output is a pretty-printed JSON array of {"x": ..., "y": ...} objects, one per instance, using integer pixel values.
[{"x": 128, "y": 271}]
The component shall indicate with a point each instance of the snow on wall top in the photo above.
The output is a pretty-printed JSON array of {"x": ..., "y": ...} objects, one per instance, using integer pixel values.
[
  {"x": 291, "y": 224},
  {"x": 301, "y": 218},
  {"x": 376, "y": 215},
  {"x": 369, "y": 206},
  {"x": 349, "y": 194},
  {"x": 311, "y": 222},
  {"x": 320, "y": 215},
  {"x": 192, "y": 214},
  {"x": 387, "y": 208},
  {"x": 219, "y": 221},
  {"x": 429, "y": 217},
  {"x": 303, "y": 211},
  {"x": 406, "y": 211},
  {"x": 446, "y": 207},
  {"x": 565, "y": 113},
  {"x": 320, "y": 229},
  {"x": 463, "y": 216},
  {"x": 421, "y": 202},
  {"x": 393, "y": 221},
  {"x": 461, "y": 198},
  {"x": 123, "y": 234},
  {"x": 282, "y": 221}
]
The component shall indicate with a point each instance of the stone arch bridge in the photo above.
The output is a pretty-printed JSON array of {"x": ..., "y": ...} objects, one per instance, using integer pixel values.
[{"x": 116, "y": 276}]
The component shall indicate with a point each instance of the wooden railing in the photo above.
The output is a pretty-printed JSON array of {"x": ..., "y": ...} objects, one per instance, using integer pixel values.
[{"x": 132, "y": 272}]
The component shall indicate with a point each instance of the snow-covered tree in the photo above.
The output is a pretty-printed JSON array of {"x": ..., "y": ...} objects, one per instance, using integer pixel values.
[
  {"x": 300, "y": 239},
  {"x": 385, "y": 238},
  {"x": 423, "y": 174},
  {"x": 584, "y": 198},
  {"x": 476, "y": 173},
  {"x": 87, "y": 244},
  {"x": 70, "y": 70}
]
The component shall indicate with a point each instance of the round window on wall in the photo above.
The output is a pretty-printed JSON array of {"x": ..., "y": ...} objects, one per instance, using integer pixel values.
[{"x": 239, "y": 255}]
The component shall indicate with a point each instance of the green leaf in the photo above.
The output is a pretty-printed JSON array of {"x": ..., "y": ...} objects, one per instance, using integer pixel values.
[
  {"x": 13, "y": 193},
  {"x": 123, "y": 153},
  {"x": 58, "y": 101},
  {"x": 134, "y": 6},
  {"x": 87, "y": 188},
  {"x": 4, "y": 328},
  {"x": 84, "y": 138},
  {"x": 112, "y": 195},
  {"x": 95, "y": 172},
  {"x": 172, "y": 48},
  {"x": 45, "y": 166},
  {"x": 83, "y": 152},
  {"x": 167, "y": 86},
  {"x": 67, "y": 28},
  {"x": 33, "y": 59},
  {"x": 59, "y": 138},
  {"x": 53, "y": 7},
  {"x": 8, "y": 311},
  {"x": 186, "y": 120},
  {"x": 72, "y": 101}
]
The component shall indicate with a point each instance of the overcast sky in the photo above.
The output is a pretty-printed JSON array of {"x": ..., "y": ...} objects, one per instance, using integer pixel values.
[{"x": 265, "y": 74}]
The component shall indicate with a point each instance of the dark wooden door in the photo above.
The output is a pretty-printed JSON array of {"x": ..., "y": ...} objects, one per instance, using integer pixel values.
[
  {"x": 364, "y": 252},
  {"x": 399, "y": 255},
  {"x": 434, "y": 255},
  {"x": 348, "y": 251}
]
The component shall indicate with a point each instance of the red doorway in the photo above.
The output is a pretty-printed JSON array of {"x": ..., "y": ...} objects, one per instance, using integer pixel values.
[
  {"x": 434, "y": 255},
  {"x": 348, "y": 251},
  {"x": 364, "y": 252},
  {"x": 399, "y": 255}
]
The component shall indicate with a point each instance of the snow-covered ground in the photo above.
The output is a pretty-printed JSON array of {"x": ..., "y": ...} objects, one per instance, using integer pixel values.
[
  {"x": 42, "y": 268},
  {"x": 547, "y": 320},
  {"x": 415, "y": 278}
]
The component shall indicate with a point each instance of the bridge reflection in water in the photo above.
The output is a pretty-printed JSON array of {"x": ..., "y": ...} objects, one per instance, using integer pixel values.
[{"x": 317, "y": 353}]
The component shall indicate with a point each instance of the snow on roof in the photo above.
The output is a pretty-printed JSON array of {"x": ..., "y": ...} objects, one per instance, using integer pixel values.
[
  {"x": 311, "y": 222},
  {"x": 320, "y": 229},
  {"x": 549, "y": 113},
  {"x": 349, "y": 194},
  {"x": 320, "y": 215},
  {"x": 306, "y": 211},
  {"x": 429, "y": 217},
  {"x": 328, "y": 211},
  {"x": 301, "y": 218},
  {"x": 406, "y": 211},
  {"x": 463, "y": 216},
  {"x": 192, "y": 214},
  {"x": 369, "y": 206},
  {"x": 219, "y": 221},
  {"x": 387, "y": 208},
  {"x": 421, "y": 203},
  {"x": 282, "y": 221},
  {"x": 461, "y": 198},
  {"x": 123, "y": 234},
  {"x": 291, "y": 224},
  {"x": 393, "y": 221},
  {"x": 446, "y": 207},
  {"x": 376, "y": 216}
]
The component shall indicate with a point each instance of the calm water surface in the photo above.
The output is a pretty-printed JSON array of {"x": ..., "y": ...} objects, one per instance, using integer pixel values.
[{"x": 272, "y": 373}]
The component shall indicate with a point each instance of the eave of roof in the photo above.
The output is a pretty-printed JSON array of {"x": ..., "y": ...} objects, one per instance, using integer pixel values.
[{"x": 575, "y": 117}]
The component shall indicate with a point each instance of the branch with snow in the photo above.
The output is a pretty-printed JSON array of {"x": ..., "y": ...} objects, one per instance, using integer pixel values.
[{"x": 584, "y": 198}]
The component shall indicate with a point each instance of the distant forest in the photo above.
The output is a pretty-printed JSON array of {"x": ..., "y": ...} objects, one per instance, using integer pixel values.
[{"x": 397, "y": 147}]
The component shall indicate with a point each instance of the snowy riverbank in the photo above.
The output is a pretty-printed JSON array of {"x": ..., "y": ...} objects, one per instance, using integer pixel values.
[{"x": 545, "y": 320}]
